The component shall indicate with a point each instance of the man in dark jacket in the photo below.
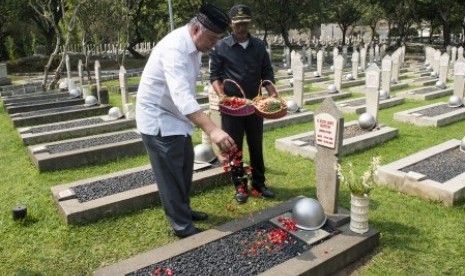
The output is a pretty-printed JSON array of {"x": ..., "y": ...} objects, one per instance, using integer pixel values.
[{"x": 243, "y": 59}]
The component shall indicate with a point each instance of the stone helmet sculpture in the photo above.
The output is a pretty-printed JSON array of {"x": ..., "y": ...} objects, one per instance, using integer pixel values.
[
  {"x": 308, "y": 214},
  {"x": 440, "y": 84},
  {"x": 204, "y": 153},
  {"x": 90, "y": 101},
  {"x": 292, "y": 106},
  {"x": 462, "y": 145},
  {"x": 332, "y": 89},
  {"x": 455, "y": 101},
  {"x": 367, "y": 121},
  {"x": 383, "y": 94},
  {"x": 74, "y": 93},
  {"x": 115, "y": 113}
]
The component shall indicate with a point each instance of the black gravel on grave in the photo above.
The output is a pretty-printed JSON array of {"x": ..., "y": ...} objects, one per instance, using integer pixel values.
[
  {"x": 437, "y": 110},
  {"x": 92, "y": 142},
  {"x": 66, "y": 125},
  {"x": 440, "y": 167},
  {"x": 119, "y": 184},
  {"x": 51, "y": 110},
  {"x": 226, "y": 256},
  {"x": 349, "y": 132}
]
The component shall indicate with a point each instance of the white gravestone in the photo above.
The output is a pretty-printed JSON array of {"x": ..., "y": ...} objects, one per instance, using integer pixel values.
[
  {"x": 386, "y": 68},
  {"x": 453, "y": 54},
  {"x": 443, "y": 67},
  {"x": 97, "y": 78},
  {"x": 338, "y": 66},
  {"x": 355, "y": 57},
  {"x": 335, "y": 54},
  {"x": 80, "y": 73},
  {"x": 319, "y": 62},
  {"x": 329, "y": 129},
  {"x": 372, "y": 77},
  {"x": 298, "y": 76},
  {"x": 123, "y": 84},
  {"x": 436, "y": 61},
  {"x": 460, "y": 52},
  {"x": 395, "y": 66},
  {"x": 459, "y": 73},
  {"x": 363, "y": 58}
]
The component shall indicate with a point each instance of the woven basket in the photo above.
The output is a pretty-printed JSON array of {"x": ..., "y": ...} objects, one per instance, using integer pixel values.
[
  {"x": 268, "y": 115},
  {"x": 245, "y": 110}
]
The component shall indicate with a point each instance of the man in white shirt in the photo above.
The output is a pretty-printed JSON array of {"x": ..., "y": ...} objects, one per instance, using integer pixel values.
[{"x": 167, "y": 108}]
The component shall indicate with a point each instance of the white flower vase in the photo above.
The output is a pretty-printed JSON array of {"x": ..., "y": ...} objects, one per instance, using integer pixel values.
[{"x": 359, "y": 206}]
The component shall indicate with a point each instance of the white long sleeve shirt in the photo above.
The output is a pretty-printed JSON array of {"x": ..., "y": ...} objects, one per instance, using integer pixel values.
[{"x": 167, "y": 87}]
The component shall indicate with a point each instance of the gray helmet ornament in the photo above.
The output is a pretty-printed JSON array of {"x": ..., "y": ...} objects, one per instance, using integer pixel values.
[
  {"x": 74, "y": 93},
  {"x": 366, "y": 121},
  {"x": 204, "y": 153},
  {"x": 440, "y": 84},
  {"x": 90, "y": 101},
  {"x": 332, "y": 89},
  {"x": 115, "y": 113},
  {"x": 462, "y": 145},
  {"x": 308, "y": 214},
  {"x": 455, "y": 101},
  {"x": 383, "y": 94},
  {"x": 292, "y": 106}
]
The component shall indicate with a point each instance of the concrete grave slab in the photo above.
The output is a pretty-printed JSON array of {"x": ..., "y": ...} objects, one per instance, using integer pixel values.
[
  {"x": 72, "y": 129},
  {"x": 436, "y": 115},
  {"x": 425, "y": 93},
  {"x": 358, "y": 105},
  {"x": 303, "y": 144},
  {"x": 301, "y": 116},
  {"x": 323, "y": 258},
  {"x": 401, "y": 177},
  {"x": 86, "y": 150},
  {"x": 33, "y": 97},
  {"x": 57, "y": 115},
  {"x": 41, "y": 104},
  {"x": 76, "y": 211}
]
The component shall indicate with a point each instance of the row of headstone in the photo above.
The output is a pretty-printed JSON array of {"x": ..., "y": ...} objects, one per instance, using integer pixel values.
[{"x": 97, "y": 49}]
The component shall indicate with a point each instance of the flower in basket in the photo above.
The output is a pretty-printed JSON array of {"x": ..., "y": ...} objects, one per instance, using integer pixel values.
[
  {"x": 359, "y": 185},
  {"x": 234, "y": 102}
]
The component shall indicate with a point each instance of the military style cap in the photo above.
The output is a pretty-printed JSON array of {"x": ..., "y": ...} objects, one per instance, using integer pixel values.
[
  {"x": 213, "y": 18},
  {"x": 240, "y": 13}
]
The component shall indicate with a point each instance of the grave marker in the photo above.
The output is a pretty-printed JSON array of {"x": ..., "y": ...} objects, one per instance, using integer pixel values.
[
  {"x": 436, "y": 61},
  {"x": 68, "y": 72},
  {"x": 443, "y": 67},
  {"x": 355, "y": 57},
  {"x": 123, "y": 84},
  {"x": 395, "y": 66},
  {"x": 338, "y": 66},
  {"x": 453, "y": 57},
  {"x": 97, "y": 78},
  {"x": 372, "y": 77},
  {"x": 319, "y": 62},
  {"x": 80, "y": 73},
  {"x": 329, "y": 128},
  {"x": 386, "y": 68},
  {"x": 363, "y": 58},
  {"x": 298, "y": 75},
  {"x": 460, "y": 52},
  {"x": 459, "y": 74}
]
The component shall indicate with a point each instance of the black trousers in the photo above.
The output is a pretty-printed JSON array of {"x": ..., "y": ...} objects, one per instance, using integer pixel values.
[
  {"x": 172, "y": 160},
  {"x": 252, "y": 127}
]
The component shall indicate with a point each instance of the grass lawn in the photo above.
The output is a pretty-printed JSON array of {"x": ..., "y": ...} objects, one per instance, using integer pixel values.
[{"x": 418, "y": 237}]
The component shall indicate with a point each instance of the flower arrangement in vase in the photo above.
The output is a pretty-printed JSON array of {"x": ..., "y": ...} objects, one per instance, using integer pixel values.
[{"x": 360, "y": 187}]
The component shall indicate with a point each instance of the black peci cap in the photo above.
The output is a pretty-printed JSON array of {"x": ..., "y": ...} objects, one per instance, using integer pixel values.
[
  {"x": 213, "y": 18},
  {"x": 240, "y": 13}
]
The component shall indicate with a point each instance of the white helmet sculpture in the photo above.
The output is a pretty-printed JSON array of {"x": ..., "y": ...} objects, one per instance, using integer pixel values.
[
  {"x": 349, "y": 76},
  {"x": 289, "y": 71},
  {"x": 383, "y": 94},
  {"x": 308, "y": 214},
  {"x": 367, "y": 121},
  {"x": 74, "y": 93},
  {"x": 63, "y": 86},
  {"x": 204, "y": 153},
  {"x": 316, "y": 74},
  {"x": 440, "y": 84},
  {"x": 462, "y": 145},
  {"x": 115, "y": 113},
  {"x": 455, "y": 101},
  {"x": 292, "y": 106},
  {"x": 332, "y": 89},
  {"x": 90, "y": 101}
]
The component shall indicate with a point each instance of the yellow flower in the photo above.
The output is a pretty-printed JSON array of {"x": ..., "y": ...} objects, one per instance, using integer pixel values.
[{"x": 359, "y": 185}]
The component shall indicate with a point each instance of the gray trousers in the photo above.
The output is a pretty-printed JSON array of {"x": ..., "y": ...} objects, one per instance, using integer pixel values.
[{"x": 172, "y": 160}]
